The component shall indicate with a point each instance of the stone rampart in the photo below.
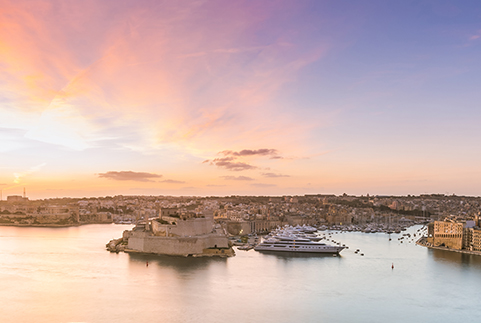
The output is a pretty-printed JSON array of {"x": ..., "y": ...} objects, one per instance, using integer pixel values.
[
  {"x": 176, "y": 246},
  {"x": 183, "y": 228}
]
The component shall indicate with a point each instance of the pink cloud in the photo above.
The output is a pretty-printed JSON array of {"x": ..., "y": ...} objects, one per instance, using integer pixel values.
[
  {"x": 229, "y": 163},
  {"x": 129, "y": 176},
  {"x": 251, "y": 152},
  {"x": 191, "y": 74},
  {"x": 274, "y": 175}
]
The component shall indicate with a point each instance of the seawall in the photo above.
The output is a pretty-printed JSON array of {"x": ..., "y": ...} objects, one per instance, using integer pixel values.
[
  {"x": 422, "y": 242},
  {"x": 197, "y": 246}
]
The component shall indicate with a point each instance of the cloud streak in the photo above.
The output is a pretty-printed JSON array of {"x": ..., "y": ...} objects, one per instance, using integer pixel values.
[
  {"x": 250, "y": 152},
  {"x": 231, "y": 160},
  {"x": 476, "y": 36},
  {"x": 129, "y": 176},
  {"x": 171, "y": 181},
  {"x": 237, "y": 178},
  {"x": 153, "y": 67},
  {"x": 19, "y": 176},
  {"x": 263, "y": 185},
  {"x": 229, "y": 163},
  {"x": 274, "y": 175}
]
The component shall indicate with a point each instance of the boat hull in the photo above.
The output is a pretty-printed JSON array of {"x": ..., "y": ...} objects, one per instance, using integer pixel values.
[{"x": 293, "y": 249}]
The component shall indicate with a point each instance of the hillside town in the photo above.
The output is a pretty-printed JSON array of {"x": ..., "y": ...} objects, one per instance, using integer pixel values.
[{"x": 248, "y": 214}]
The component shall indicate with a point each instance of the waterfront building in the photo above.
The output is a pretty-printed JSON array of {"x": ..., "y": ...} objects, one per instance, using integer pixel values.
[
  {"x": 468, "y": 234},
  {"x": 468, "y": 238},
  {"x": 476, "y": 239},
  {"x": 446, "y": 233}
]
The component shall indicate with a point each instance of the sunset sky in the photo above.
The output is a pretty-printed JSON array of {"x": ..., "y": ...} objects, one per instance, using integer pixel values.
[{"x": 239, "y": 97}]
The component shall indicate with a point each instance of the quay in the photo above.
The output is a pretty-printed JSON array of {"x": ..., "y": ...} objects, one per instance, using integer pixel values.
[{"x": 424, "y": 243}]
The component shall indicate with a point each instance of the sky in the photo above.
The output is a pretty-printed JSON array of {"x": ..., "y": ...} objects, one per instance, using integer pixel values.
[{"x": 216, "y": 98}]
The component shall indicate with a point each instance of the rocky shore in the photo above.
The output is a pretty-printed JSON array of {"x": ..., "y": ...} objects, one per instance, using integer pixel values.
[{"x": 116, "y": 245}]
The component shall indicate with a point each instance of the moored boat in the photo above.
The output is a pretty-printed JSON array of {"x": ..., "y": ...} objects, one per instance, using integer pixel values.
[{"x": 301, "y": 245}]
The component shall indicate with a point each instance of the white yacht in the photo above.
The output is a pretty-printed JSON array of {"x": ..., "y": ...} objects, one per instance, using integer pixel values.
[
  {"x": 296, "y": 244},
  {"x": 294, "y": 234}
]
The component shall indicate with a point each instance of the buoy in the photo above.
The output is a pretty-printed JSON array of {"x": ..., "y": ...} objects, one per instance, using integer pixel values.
[
  {"x": 146, "y": 264},
  {"x": 392, "y": 266}
]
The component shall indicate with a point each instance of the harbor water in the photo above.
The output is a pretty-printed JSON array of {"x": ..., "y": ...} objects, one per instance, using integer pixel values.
[{"x": 66, "y": 275}]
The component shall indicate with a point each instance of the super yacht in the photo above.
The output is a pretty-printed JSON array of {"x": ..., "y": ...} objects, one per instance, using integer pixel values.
[{"x": 296, "y": 244}]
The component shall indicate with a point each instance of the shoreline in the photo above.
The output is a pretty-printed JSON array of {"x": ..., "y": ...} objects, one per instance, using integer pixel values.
[
  {"x": 39, "y": 225},
  {"x": 423, "y": 243},
  {"x": 49, "y": 225}
]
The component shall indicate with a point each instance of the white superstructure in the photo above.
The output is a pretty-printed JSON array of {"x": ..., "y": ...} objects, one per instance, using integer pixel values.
[{"x": 290, "y": 244}]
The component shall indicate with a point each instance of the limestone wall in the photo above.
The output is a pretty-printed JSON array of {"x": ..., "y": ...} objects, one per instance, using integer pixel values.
[
  {"x": 183, "y": 228},
  {"x": 136, "y": 240},
  {"x": 450, "y": 242},
  {"x": 180, "y": 246}
]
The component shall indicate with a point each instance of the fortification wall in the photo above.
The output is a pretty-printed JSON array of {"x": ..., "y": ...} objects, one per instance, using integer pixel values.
[
  {"x": 183, "y": 228},
  {"x": 178, "y": 246},
  {"x": 452, "y": 243}
]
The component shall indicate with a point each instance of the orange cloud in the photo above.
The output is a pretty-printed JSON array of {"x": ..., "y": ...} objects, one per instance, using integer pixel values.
[
  {"x": 237, "y": 178},
  {"x": 274, "y": 175},
  {"x": 171, "y": 181}
]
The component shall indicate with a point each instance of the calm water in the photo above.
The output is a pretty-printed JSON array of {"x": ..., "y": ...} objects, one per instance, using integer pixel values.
[{"x": 65, "y": 275}]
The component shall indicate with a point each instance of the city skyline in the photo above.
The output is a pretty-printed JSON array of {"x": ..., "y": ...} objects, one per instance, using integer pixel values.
[{"x": 247, "y": 98}]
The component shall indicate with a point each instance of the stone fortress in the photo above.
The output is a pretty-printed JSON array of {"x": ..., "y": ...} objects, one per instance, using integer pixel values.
[{"x": 178, "y": 234}]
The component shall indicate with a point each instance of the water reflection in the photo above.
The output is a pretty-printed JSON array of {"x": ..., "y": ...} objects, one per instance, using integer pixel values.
[
  {"x": 290, "y": 255},
  {"x": 181, "y": 264},
  {"x": 48, "y": 278},
  {"x": 455, "y": 258}
]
